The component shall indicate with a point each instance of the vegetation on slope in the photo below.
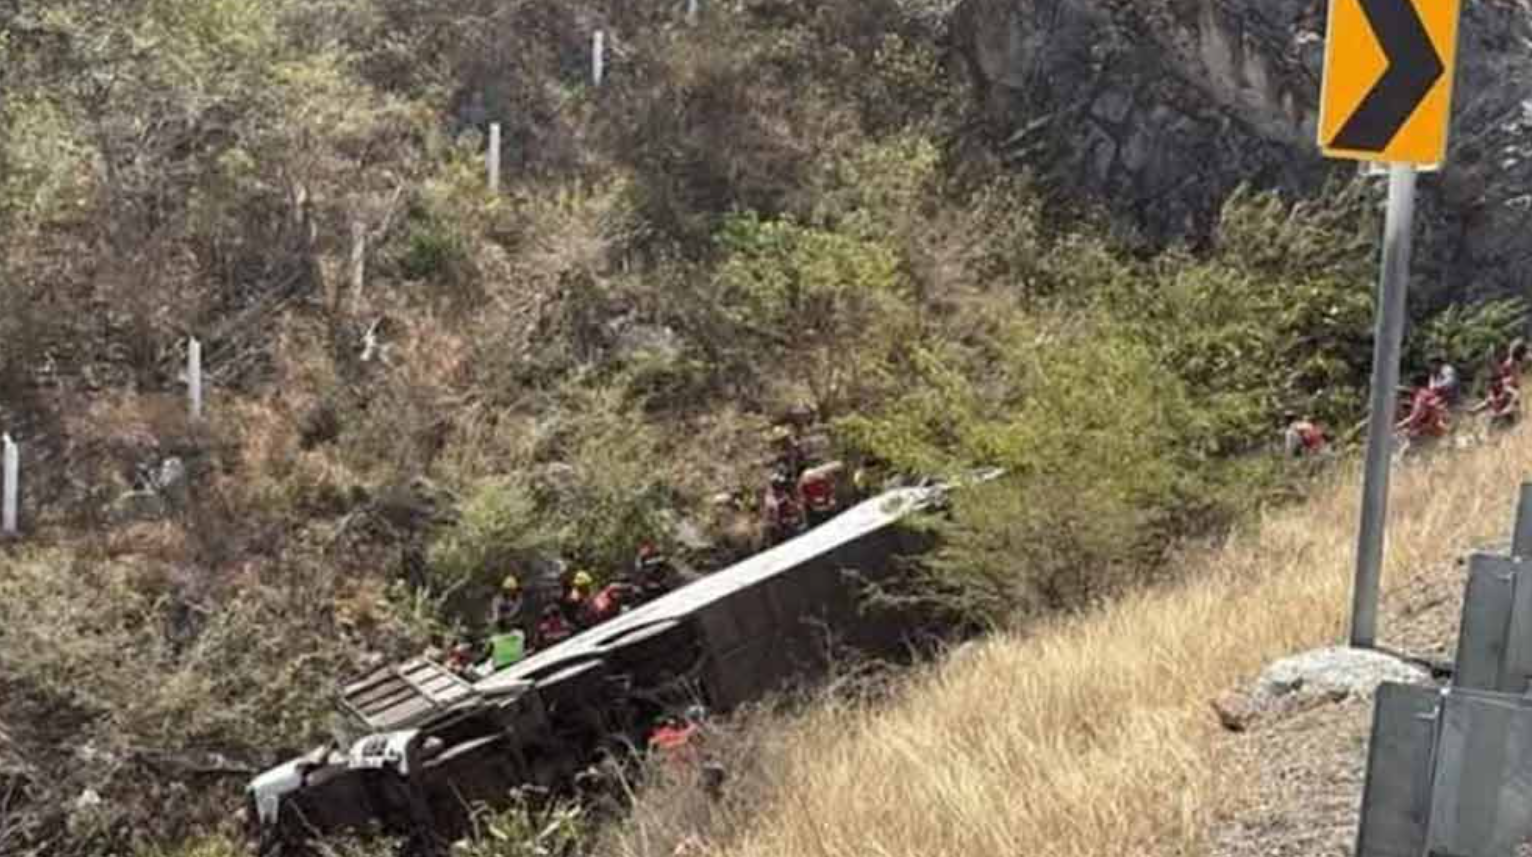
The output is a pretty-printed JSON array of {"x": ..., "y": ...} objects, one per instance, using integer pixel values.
[
  {"x": 784, "y": 204},
  {"x": 1091, "y": 735}
]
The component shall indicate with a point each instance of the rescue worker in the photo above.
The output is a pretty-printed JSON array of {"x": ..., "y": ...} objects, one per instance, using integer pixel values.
[
  {"x": 1427, "y": 418},
  {"x": 1444, "y": 380},
  {"x": 787, "y": 452},
  {"x": 507, "y": 647},
  {"x": 1303, "y": 437},
  {"x": 673, "y": 736},
  {"x": 817, "y": 487},
  {"x": 784, "y": 512},
  {"x": 460, "y": 658},
  {"x": 507, "y": 642},
  {"x": 506, "y": 605},
  {"x": 552, "y": 628},
  {"x": 1503, "y": 402},
  {"x": 682, "y": 742},
  {"x": 577, "y": 596},
  {"x": 1515, "y": 358},
  {"x": 651, "y": 572},
  {"x": 611, "y": 600}
]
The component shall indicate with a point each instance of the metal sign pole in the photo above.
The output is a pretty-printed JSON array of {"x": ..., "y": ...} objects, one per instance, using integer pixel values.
[{"x": 1392, "y": 287}]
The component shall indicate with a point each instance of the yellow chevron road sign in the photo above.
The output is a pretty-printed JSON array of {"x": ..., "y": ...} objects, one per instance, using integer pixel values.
[{"x": 1387, "y": 88}]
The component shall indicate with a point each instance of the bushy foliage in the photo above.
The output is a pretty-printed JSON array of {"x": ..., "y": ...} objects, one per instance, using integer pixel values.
[
  {"x": 827, "y": 306},
  {"x": 1089, "y": 429},
  {"x": 114, "y": 660},
  {"x": 496, "y": 519},
  {"x": 558, "y": 829},
  {"x": 1469, "y": 337}
]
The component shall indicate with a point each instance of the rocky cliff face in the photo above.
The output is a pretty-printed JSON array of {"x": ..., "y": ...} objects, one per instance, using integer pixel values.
[{"x": 1161, "y": 107}]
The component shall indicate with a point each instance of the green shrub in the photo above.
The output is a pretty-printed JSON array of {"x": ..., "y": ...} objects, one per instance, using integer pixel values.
[
  {"x": 830, "y": 310},
  {"x": 1468, "y": 335},
  {"x": 498, "y": 518},
  {"x": 1090, "y": 430},
  {"x": 432, "y": 251},
  {"x": 617, "y": 485},
  {"x": 559, "y": 829}
]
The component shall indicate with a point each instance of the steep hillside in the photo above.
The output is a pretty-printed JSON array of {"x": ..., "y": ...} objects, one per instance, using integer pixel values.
[
  {"x": 417, "y": 385},
  {"x": 1160, "y": 108},
  {"x": 1097, "y": 734}
]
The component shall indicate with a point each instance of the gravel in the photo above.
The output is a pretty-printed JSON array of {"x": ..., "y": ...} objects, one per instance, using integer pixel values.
[{"x": 1294, "y": 772}]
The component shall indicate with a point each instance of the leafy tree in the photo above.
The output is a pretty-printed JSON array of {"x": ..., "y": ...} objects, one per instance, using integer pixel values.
[{"x": 825, "y": 306}]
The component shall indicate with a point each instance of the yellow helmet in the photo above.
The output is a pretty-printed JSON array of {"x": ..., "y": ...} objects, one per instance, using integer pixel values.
[
  {"x": 583, "y": 578},
  {"x": 510, "y": 584}
]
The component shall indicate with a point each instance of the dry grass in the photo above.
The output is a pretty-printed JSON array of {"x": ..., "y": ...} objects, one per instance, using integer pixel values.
[{"x": 1093, "y": 736}]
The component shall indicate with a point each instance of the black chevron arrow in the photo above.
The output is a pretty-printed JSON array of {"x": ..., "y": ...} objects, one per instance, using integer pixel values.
[{"x": 1413, "y": 68}]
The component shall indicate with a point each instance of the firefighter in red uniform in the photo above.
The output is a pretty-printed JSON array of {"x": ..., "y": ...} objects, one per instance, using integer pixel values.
[
  {"x": 784, "y": 511},
  {"x": 1503, "y": 402},
  {"x": 676, "y": 736},
  {"x": 818, "y": 490},
  {"x": 1427, "y": 418},
  {"x": 1304, "y": 437},
  {"x": 1510, "y": 368},
  {"x": 553, "y": 628},
  {"x": 611, "y": 600},
  {"x": 651, "y": 572}
]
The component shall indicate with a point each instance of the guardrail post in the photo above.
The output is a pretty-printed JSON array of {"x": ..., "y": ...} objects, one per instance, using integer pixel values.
[
  {"x": 11, "y": 488},
  {"x": 1521, "y": 538}
]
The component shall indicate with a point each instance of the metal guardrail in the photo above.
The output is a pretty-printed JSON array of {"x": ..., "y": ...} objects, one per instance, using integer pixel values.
[{"x": 1449, "y": 770}]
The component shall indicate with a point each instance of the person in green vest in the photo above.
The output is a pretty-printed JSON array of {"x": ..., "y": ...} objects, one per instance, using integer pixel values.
[
  {"x": 507, "y": 647},
  {"x": 508, "y": 642}
]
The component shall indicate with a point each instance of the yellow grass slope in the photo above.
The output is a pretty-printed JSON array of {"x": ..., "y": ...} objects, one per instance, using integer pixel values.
[{"x": 1094, "y": 736}]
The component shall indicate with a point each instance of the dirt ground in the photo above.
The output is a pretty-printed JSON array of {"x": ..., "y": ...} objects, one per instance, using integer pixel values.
[{"x": 1301, "y": 775}]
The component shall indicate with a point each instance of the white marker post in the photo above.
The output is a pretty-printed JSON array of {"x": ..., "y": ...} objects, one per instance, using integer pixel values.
[
  {"x": 691, "y": 11},
  {"x": 358, "y": 258},
  {"x": 10, "y": 495},
  {"x": 494, "y": 157},
  {"x": 598, "y": 57},
  {"x": 194, "y": 376}
]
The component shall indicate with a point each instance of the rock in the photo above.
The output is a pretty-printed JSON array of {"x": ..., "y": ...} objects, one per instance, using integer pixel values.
[
  {"x": 1234, "y": 711},
  {"x": 1346, "y": 671},
  {"x": 88, "y": 799},
  {"x": 1313, "y": 678}
]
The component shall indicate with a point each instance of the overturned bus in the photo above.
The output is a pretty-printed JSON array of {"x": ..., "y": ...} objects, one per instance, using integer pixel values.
[{"x": 430, "y": 744}]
